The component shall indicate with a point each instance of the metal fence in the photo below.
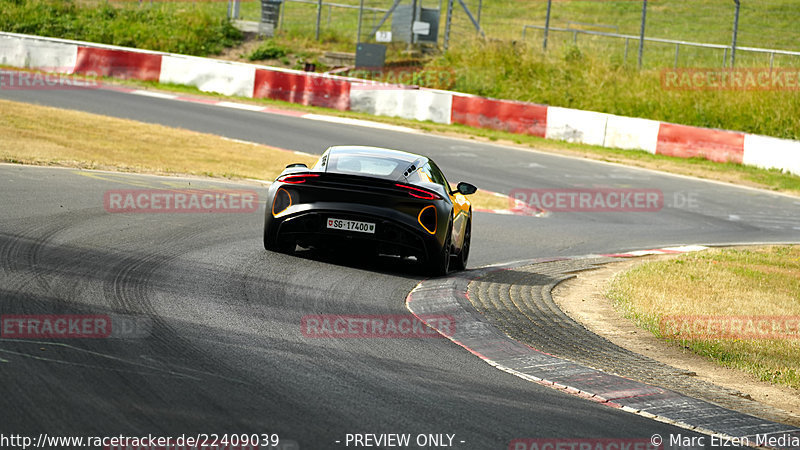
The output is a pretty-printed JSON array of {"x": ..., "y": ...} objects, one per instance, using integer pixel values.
[
  {"x": 696, "y": 33},
  {"x": 329, "y": 20},
  {"x": 725, "y": 52}
]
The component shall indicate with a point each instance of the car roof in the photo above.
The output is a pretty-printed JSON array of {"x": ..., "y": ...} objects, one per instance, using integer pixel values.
[{"x": 340, "y": 150}]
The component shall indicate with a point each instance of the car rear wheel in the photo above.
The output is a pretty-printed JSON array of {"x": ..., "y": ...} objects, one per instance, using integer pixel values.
[
  {"x": 439, "y": 265},
  {"x": 460, "y": 262}
]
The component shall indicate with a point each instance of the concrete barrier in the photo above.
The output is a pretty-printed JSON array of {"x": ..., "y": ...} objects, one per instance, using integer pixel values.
[
  {"x": 302, "y": 88},
  {"x": 32, "y": 53},
  {"x": 693, "y": 142},
  {"x": 574, "y": 125},
  {"x": 208, "y": 75},
  {"x": 630, "y": 133},
  {"x": 404, "y": 102},
  {"x": 772, "y": 153},
  {"x": 504, "y": 115},
  {"x": 124, "y": 64}
]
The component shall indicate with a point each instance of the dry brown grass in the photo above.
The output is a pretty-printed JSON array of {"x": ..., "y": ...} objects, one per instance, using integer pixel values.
[
  {"x": 49, "y": 136},
  {"x": 760, "y": 281}
]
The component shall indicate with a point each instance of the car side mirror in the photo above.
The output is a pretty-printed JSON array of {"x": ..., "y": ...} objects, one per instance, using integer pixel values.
[
  {"x": 466, "y": 188},
  {"x": 296, "y": 165}
]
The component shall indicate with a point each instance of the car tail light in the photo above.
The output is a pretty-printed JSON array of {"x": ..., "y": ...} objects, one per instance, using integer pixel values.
[
  {"x": 428, "y": 218},
  {"x": 297, "y": 179},
  {"x": 419, "y": 193},
  {"x": 283, "y": 200}
]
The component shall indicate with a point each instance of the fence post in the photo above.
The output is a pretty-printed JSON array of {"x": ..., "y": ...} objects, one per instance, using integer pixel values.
[
  {"x": 641, "y": 34},
  {"x": 447, "y": 24},
  {"x": 360, "y": 17},
  {"x": 677, "y": 49},
  {"x": 413, "y": 19},
  {"x": 547, "y": 23},
  {"x": 625, "y": 60},
  {"x": 282, "y": 15},
  {"x": 735, "y": 34},
  {"x": 319, "y": 16}
]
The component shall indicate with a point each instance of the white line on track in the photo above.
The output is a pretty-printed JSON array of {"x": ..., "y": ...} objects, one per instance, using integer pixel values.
[{"x": 154, "y": 94}]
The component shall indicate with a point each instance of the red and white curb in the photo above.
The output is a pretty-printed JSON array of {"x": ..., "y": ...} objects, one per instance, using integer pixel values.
[{"x": 449, "y": 295}]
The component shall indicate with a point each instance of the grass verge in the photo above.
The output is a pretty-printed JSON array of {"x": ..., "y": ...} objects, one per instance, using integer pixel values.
[
  {"x": 46, "y": 136},
  {"x": 49, "y": 136},
  {"x": 724, "y": 284}
]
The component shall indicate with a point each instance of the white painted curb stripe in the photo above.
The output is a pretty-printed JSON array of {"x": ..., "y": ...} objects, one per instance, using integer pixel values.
[
  {"x": 242, "y": 106},
  {"x": 630, "y": 133},
  {"x": 208, "y": 75},
  {"x": 154, "y": 94},
  {"x": 769, "y": 152},
  {"x": 358, "y": 122},
  {"x": 574, "y": 125}
]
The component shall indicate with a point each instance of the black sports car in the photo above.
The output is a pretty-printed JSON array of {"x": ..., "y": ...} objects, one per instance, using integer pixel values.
[{"x": 389, "y": 201}]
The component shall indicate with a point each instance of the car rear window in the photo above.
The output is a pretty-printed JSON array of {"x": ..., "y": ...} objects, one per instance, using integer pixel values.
[{"x": 365, "y": 165}]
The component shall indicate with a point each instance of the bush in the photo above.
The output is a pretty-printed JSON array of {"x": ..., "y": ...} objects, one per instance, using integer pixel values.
[
  {"x": 164, "y": 28},
  {"x": 268, "y": 50}
]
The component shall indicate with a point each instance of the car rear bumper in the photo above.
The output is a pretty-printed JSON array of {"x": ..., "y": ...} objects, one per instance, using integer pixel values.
[{"x": 395, "y": 233}]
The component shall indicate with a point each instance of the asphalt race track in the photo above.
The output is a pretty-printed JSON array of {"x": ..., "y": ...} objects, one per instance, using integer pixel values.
[{"x": 225, "y": 353}]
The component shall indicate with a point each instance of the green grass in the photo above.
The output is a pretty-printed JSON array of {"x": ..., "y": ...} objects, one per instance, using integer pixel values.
[
  {"x": 580, "y": 79},
  {"x": 759, "y": 281},
  {"x": 763, "y": 23},
  {"x": 178, "y": 28},
  {"x": 268, "y": 50}
]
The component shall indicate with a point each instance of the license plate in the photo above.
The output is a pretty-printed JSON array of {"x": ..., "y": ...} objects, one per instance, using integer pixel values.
[{"x": 351, "y": 225}]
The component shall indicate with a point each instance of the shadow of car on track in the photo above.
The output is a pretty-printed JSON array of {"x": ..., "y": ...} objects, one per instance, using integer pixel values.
[{"x": 362, "y": 259}]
